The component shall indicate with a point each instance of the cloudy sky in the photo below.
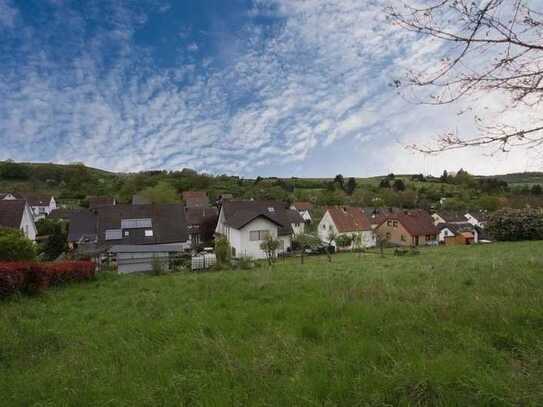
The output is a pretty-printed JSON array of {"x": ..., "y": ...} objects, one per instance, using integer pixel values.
[{"x": 248, "y": 87}]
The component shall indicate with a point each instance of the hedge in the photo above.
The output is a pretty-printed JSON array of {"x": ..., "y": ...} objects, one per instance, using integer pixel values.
[{"x": 34, "y": 277}]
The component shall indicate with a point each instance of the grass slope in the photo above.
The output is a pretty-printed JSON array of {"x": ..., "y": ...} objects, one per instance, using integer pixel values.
[{"x": 451, "y": 326}]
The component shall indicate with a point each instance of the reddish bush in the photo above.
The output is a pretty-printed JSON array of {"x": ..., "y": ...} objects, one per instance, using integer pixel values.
[
  {"x": 35, "y": 277},
  {"x": 12, "y": 277}
]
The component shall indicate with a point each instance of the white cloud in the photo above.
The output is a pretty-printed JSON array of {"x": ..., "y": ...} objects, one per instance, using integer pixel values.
[
  {"x": 279, "y": 94},
  {"x": 8, "y": 14}
]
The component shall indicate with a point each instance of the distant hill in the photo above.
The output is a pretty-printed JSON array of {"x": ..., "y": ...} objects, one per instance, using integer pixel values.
[{"x": 73, "y": 183}]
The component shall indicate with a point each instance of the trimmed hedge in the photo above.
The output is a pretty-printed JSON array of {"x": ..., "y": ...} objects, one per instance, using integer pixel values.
[{"x": 33, "y": 277}]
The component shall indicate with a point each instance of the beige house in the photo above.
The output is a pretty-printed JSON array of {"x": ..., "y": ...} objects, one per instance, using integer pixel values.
[{"x": 408, "y": 228}]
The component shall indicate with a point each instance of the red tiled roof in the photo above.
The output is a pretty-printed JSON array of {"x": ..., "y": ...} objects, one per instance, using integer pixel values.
[
  {"x": 349, "y": 219},
  {"x": 194, "y": 199},
  {"x": 417, "y": 222}
]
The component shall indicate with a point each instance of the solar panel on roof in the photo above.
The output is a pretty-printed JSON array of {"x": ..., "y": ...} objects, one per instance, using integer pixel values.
[
  {"x": 136, "y": 223},
  {"x": 114, "y": 234}
]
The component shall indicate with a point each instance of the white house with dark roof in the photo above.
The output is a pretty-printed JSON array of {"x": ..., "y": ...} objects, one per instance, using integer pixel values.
[
  {"x": 16, "y": 214},
  {"x": 303, "y": 209},
  {"x": 41, "y": 205},
  {"x": 245, "y": 224}
]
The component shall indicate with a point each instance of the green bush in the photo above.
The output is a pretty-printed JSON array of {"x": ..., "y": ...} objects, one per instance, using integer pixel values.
[
  {"x": 14, "y": 246},
  {"x": 514, "y": 225},
  {"x": 222, "y": 251}
]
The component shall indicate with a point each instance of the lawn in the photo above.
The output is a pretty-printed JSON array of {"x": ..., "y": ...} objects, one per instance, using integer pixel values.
[{"x": 450, "y": 326}]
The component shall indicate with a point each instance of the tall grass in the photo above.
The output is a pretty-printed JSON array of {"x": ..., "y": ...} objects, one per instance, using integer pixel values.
[{"x": 453, "y": 326}]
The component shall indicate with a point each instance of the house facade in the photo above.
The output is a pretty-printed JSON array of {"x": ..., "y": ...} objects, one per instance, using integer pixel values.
[
  {"x": 201, "y": 223},
  {"x": 246, "y": 224},
  {"x": 457, "y": 234},
  {"x": 408, "y": 228},
  {"x": 303, "y": 209},
  {"x": 41, "y": 205},
  {"x": 348, "y": 221},
  {"x": 16, "y": 214}
]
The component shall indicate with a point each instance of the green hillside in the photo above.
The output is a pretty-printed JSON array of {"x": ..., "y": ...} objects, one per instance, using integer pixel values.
[
  {"x": 71, "y": 184},
  {"x": 452, "y": 326}
]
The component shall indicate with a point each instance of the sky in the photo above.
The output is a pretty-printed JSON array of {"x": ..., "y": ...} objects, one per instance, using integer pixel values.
[{"x": 243, "y": 87}]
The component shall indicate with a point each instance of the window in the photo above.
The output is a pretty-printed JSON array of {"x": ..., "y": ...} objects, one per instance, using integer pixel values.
[
  {"x": 233, "y": 252},
  {"x": 389, "y": 223},
  {"x": 402, "y": 237},
  {"x": 126, "y": 233},
  {"x": 324, "y": 227},
  {"x": 148, "y": 233},
  {"x": 395, "y": 224},
  {"x": 429, "y": 237},
  {"x": 388, "y": 235},
  {"x": 271, "y": 209},
  {"x": 257, "y": 235}
]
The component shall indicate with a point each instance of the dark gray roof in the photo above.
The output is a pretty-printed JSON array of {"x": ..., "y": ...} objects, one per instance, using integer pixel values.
[
  {"x": 457, "y": 227},
  {"x": 82, "y": 226},
  {"x": 455, "y": 217},
  {"x": 11, "y": 213},
  {"x": 36, "y": 199},
  {"x": 239, "y": 213},
  {"x": 63, "y": 213},
  {"x": 167, "y": 222}
]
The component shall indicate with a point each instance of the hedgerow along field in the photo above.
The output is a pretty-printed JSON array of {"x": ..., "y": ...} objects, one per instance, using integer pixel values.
[{"x": 450, "y": 326}]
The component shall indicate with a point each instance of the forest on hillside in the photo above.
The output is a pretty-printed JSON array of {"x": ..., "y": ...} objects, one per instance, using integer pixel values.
[{"x": 72, "y": 184}]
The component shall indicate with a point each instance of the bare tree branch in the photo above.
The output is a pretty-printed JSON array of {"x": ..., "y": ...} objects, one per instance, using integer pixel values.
[{"x": 493, "y": 47}]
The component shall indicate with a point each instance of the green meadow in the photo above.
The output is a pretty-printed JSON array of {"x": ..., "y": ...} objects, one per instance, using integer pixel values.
[{"x": 460, "y": 326}]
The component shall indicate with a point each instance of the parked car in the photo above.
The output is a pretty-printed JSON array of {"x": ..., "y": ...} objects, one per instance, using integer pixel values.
[{"x": 320, "y": 249}]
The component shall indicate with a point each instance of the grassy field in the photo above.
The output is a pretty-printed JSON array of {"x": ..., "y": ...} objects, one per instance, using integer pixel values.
[{"x": 452, "y": 326}]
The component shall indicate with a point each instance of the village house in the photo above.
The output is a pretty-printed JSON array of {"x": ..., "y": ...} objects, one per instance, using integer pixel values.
[
  {"x": 16, "y": 214},
  {"x": 41, "y": 205},
  {"x": 117, "y": 229},
  {"x": 303, "y": 209},
  {"x": 408, "y": 228},
  {"x": 201, "y": 224},
  {"x": 457, "y": 234},
  {"x": 245, "y": 224},
  {"x": 477, "y": 218},
  {"x": 349, "y": 221},
  {"x": 377, "y": 214},
  {"x": 196, "y": 199},
  {"x": 448, "y": 217}
]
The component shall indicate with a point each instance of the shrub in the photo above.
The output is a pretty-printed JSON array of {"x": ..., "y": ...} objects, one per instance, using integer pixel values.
[
  {"x": 31, "y": 277},
  {"x": 157, "y": 267},
  {"x": 222, "y": 251},
  {"x": 12, "y": 278},
  {"x": 514, "y": 225},
  {"x": 14, "y": 246}
]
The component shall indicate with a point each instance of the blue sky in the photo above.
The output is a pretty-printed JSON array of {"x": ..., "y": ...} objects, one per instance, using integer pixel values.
[{"x": 248, "y": 87}]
